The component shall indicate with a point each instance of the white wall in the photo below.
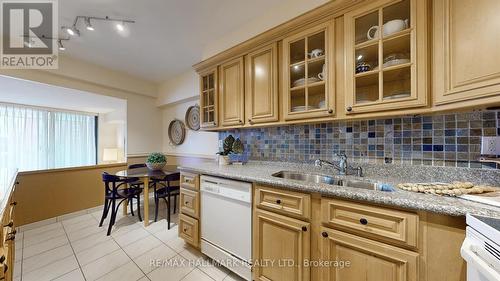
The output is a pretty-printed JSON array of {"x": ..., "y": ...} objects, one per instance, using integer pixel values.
[
  {"x": 112, "y": 133},
  {"x": 197, "y": 143},
  {"x": 183, "y": 86},
  {"x": 144, "y": 117}
]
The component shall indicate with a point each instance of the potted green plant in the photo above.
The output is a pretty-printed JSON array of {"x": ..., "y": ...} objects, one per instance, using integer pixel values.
[
  {"x": 227, "y": 148},
  {"x": 237, "y": 156},
  {"x": 156, "y": 161}
]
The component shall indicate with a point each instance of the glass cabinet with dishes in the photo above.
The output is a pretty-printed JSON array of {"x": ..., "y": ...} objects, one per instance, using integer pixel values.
[
  {"x": 386, "y": 56},
  {"x": 208, "y": 98},
  {"x": 308, "y": 88}
]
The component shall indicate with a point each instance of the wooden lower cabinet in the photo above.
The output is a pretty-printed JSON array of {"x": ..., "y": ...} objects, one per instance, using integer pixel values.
[
  {"x": 289, "y": 203},
  {"x": 189, "y": 217},
  {"x": 189, "y": 202},
  {"x": 368, "y": 260},
  {"x": 7, "y": 238},
  {"x": 280, "y": 246},
  {"x": 189, "y": 230},
  {"x": 374, "y": 222}
]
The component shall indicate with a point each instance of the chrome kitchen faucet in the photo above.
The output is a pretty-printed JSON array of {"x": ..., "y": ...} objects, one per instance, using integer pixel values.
[{"x": 342, "y": 166}]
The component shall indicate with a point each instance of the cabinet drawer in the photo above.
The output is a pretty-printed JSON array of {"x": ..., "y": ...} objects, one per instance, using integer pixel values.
[
  {"x": 368, "y": 259},
  {"x": 188, "y": 230},
  {"x": 191, "y": 181},
  {"x": 374, "y": 222},
  {"x": 190, "y": 203},
  {"x": 281, "y": 201}
]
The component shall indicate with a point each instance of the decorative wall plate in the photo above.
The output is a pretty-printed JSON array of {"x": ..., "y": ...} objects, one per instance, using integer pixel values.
[
  {"x": 176, "y": 132},
  {"x": 193, "y": 117}
]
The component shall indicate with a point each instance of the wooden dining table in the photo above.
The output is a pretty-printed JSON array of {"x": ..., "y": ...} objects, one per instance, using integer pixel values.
[{"x": 145, "y": 174}]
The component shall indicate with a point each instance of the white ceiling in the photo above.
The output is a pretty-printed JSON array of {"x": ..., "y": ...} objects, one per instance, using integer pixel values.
[
  {"x": 37, "y": 94},
  {"x": 168, "y": 37}
]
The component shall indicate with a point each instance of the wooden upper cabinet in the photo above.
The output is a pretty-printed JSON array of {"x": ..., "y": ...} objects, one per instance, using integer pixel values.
[
  {"x": 386, "y": 68},
  {"x": 466, "y": 64},
  {"x": 261, "y": 85},
  {"x": 232, "y": 92},
  {"x": 308, "y": 73},
  {"x": 284, "y": 241},
  {"x": 369, "y": 260},
  {"x": 208, "y": 98}
]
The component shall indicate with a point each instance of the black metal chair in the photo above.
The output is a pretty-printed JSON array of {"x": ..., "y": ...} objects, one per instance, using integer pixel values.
[
  {"x": 117, "y": 188},
  {"x": 164, "y": 189}
]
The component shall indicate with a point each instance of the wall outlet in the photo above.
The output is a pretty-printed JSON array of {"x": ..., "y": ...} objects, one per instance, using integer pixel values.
[{"x": 490, "y": 146}]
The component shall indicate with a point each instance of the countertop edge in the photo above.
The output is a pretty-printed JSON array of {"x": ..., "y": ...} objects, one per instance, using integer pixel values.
[{"x": 353, "y": 194}]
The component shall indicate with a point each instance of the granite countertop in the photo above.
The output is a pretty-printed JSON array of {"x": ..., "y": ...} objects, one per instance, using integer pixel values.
[
  {"x": 7, "y": 179},
  {"x": 261, "y": 172}
]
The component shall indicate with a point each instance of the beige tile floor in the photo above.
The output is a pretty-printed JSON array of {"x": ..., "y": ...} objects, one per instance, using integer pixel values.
[{"x": 75, "y": 248}]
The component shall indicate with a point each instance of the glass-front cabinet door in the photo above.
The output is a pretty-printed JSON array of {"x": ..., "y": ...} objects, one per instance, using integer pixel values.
[
  {"x": 208, "y": 98},
  {"x": 308, "y": 88},
  {"x": 386, "y": 56}
]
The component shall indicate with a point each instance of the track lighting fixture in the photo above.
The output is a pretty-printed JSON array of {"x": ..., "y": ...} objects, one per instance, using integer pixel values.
[
  {"x": 73, "y": 31},
  {"x": 29, "y": 43},
  {"x": 120, "y": 26},
  {"x": 88, "y": 25},
  {"x": 61, "y": 46}
]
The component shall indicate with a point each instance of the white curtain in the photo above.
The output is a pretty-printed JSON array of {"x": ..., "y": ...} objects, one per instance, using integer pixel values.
[{"x": 37, "y": 139}]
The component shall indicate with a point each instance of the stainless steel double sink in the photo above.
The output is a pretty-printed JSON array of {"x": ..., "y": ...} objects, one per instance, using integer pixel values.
[{"x": 332, "y": 180}]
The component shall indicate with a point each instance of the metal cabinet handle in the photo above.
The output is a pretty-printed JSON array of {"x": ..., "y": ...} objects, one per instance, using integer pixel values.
[
  {"x": 304, "y": 228},
  {"x": 324, "y": 234},
  {"x": 278, "y": 201},
  {"x": 13, "y": 203},
  {"x": 363, "y": 221},
  {"x": 330, "y": 111},
  {"x": 349, "y": 109},
  {"x": 2, "y": 258},
  {"x": 250, "y": 121},
  {"x": 10, "y": 224}
]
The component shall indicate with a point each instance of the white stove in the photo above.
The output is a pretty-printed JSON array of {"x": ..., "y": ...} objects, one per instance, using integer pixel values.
[{"x": 481, "y": 248}]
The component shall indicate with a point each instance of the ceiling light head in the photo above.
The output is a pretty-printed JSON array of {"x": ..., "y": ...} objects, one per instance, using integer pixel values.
[
  {"x": 120, "y": 26},
  {"x": 30, "y": 43},
  {"x": 61, "y": 46},
  {"x": 73, "y": 31},
  {"x": 88, "y": 25}
]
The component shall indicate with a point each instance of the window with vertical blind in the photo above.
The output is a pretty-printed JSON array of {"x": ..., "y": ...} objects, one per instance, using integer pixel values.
[{"x": 36, "y": 138}]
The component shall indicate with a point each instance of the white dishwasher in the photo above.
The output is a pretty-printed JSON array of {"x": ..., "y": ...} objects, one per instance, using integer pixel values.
[{"x": 226, "y": 223}]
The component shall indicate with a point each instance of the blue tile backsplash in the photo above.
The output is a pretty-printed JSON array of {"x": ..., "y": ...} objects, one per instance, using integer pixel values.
[{"x": 438, "y": 140}]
